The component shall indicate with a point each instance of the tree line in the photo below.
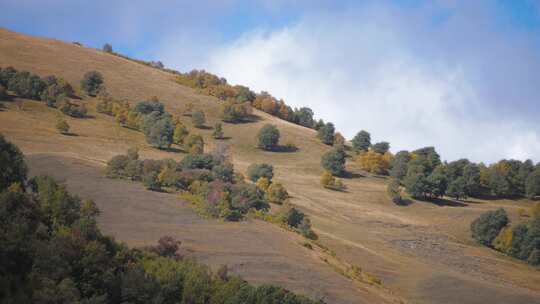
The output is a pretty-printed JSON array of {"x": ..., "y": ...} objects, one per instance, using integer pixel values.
[{"x": 52, "y": 251}]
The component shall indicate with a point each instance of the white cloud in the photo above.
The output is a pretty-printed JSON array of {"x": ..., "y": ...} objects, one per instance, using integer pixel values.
[{"x": 368, "y": 69}]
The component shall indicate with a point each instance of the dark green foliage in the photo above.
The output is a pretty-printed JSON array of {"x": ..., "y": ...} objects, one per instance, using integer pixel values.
[
  {"x": 428, "y": 157},
  {"x": 26, "y": 85},
  {"x": 268, "y": 137},
  {"x": 362, "y": 141},
  {"x": 224, "y": 172},
  {"x": 304, "y": 117},
  {"x": 151, "y": 181},
  {"x": 3, "y": 92},
  {"x": 399, "y": 165},
  {"x": 198, "y": 119},
  {"x": 12, "y": 166},
  {"x": 486, "y": 228},
  {"x": 147, "y": 107},
  {"x": 381, "y": 147},
  {"x": 159, "y": 132},
  {"x": 107, "y": 48},
  {"x": 92, "y": 83},
  {"x": 6, "y": 74},
  {"x": 256, "y": 171},
  {"x": 471, "y": 177},
  {"x": 532, "y": 184},
  {"x": 437, "y": 182},
  {"x": 326, "y": 133},
  {"x": 417, "y": 185},
  {"x": 197, "y": 161},
  {"x": 248, "y": 196},
  {"x": 294, "y": 217},
  {"x": 457, "y": 188},
  {"x": 71, "y": 109},
  {"x": 334, "y": 161}
]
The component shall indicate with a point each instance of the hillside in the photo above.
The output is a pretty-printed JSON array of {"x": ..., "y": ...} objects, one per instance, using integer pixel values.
[{"x": 421, "y": 252}]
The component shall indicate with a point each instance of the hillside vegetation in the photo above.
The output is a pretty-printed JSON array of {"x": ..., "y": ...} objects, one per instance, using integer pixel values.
[{"x": 420, "y": 250}]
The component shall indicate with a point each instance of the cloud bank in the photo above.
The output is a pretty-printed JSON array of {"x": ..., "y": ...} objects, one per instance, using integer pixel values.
[{"x": 446, "y": 75}]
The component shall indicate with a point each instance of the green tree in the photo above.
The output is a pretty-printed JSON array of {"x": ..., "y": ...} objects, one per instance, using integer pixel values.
[
  {"x": 268, "y": 137},
  {"x": 532, "y": 186},
  {"x": 334, "y": 161},
  {"x": 91, "y": 83},
  {"x": 399, "y": 165},
  {"x": 12, "y": 166},
  {"x": 362, "y": 141},
  {"x": 256, "y": 171},
  {"x": 198, "y": 119},
  {"x": 304, "y": 117},
  {"x": 26, "y": 85},
  {"x": 417, "y": 185},
  {"x": 437, "y": 182},
  {"x": 471, "y": 176},
  {"x": 218, "y": 131},
  {"x": 160, "y": 133},
  {"x": 381, "y": 147},
  {"x": 457, "y": 188},
  {"x": 107, "y": 48},
  {"x": 485, "y": 228},
  {"x": 326, "y": 133}
]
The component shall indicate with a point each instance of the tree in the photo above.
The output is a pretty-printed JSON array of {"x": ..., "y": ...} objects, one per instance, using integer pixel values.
[
  {"x": 471, "y": 176},
  {"x": 334, "y": 161},
  {"x": 218, "y": 131},
  {"x": 393, "y": 191},
  {"x": 373, "y": 162},
  {"x": 326, "y": 133},
  {"x": 26, "y": 85},
  {"x": 294, "y": 217},
  {"x": 268, "y": 137},
  {"x": 198, "y": 119},
  {"x": 485, "y": 228},
  {"x": 381, "y": 147},
  {"x": 13, "y": 169},
  {"x": 399, "y": 165},
  {"x": 327, "y": 179},
  {"x": 276, "y": 193},
  {"x": 179, "y": 134},
  {"x": 457, "y": 188},
  {"x": 532, "y": 185},
  {"x": 437, "y": 182},
  {"x": 304, "y": 117},
  {"x": 256, "y": 171},
  {"x": 92, "y": 83},
  {"x": 62, "y": 126},
  {"x": 151, "y": 181},
  {"x": 194, "y": 144},
  {"x": 3, "y": 92},
  {"x": 362, "y": 141},
  {"x": 107, "y": 48},
  {"x": 263, "y": 183},
  {"x": 417, "y": 185},
  {"x": 160, "y": 133},
  {"x": 236, "y": 112}
]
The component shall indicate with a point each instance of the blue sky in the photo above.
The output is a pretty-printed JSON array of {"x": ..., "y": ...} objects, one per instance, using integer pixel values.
[{"x": 460, "y": 75}]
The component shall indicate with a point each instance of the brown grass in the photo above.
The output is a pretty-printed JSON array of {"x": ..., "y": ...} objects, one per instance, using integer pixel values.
[{"x": 421, "y": 252}]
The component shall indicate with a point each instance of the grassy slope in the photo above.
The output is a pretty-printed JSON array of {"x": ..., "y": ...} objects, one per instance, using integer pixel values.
[{"x": 410, "y": 248}]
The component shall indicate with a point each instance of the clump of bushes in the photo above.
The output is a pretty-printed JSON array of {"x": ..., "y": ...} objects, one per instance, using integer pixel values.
[
  {"x": 268, "y": 137},
  {"x": 198, "y": 119},
  {"x": 92, "y": 83},
  {"x": 256, "y": 171},
  {"x": 330, "y": 182},
  {"x": 326, "y": 133},
  {"x": 521, "y": 241},
  {"x": 235, "y": 112},
  {"x": 334, "y": 161},
  {"x": 62, "y": 126},
  {"x": 298, "y": 221}
]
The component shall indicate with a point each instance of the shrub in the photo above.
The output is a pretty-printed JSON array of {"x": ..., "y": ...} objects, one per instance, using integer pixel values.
[
  {"x": 13, "y": 169},
  {"x": 92, "y": 83},
  {"x": 197, "y": 161},
  {"x": 246, "y": 196},
  {"x": 6, "y": 74},
  {"x": 26, "y": 85},
  {"x": 394, "y": 192},
  {"x": 486, "y": 228},
  {"x": 305, "y": 229},
  {"x": 179, "y": 134},
  {"x": 330, "y": 182},
  {"x": 107, "y": 48},
  {"x": 151, "y": 181},
  {"x": 236, "y": 112},
  {"x": 256, "y": 171},
  {"x": 71, "y": 109},
  {"x": 362, "y": 141},
  {"x": 268, "y": 137},
  {"x": 218, "y": 131},
  {"x": 334, "y": 161},
  {"x": 326, "y": 133},
  {"x": 263, "y": 183},
  {"x": 224, "y": 172},
  {"x": 194, "y": 144},
  {"x": 276, "y": 193},
  {"x": 339, "y": 140},
  {"x": 149, "y": 106},
  {"x": 116, "y": 166},
  {"x": 294, "y": 217},
  {"x": 62, "y": 126},
  {"x": 198, "y": 119}
]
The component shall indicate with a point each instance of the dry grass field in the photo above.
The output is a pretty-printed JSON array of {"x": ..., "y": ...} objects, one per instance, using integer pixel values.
[{"x": 422, "y": 252}]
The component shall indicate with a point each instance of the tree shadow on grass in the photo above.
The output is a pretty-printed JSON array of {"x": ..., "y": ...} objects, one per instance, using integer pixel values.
[
  {"x": 224, "y": 138},
  {"x": 351, "y": 175},
  {"x": 70, "y": 134},
  {"x": 403, "y": 202},
  {"x": 250, "y": 119},
  {"x": 285, "y": 149},
  {"x": 441, "y": 202},
  {"x": 173, "y": 150},
  {"x": 204, "y": 128}
]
